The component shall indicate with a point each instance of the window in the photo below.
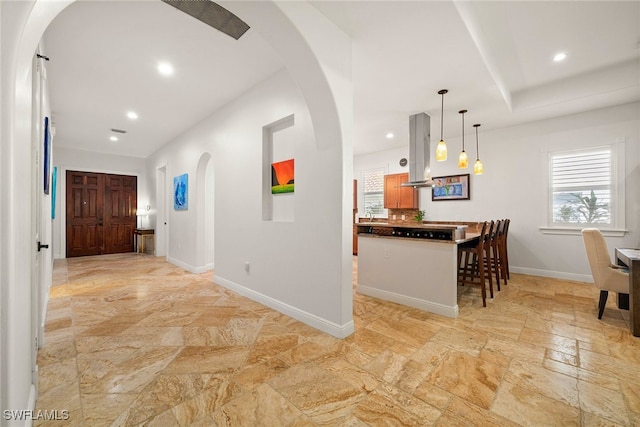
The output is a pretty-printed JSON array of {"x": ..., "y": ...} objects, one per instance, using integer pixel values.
[
  {"x": 373, "y": 192},
  {"x": 583, "y": 187}
]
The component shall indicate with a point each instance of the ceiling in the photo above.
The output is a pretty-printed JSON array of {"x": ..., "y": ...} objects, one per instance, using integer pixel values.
[{"x": 495, "y": 58}]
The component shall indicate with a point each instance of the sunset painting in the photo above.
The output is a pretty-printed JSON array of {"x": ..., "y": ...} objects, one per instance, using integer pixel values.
[{"x": 282, "y": 177}]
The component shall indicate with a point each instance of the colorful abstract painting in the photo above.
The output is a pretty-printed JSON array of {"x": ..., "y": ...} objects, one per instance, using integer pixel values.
[
  {"x": 452, "y": 187},
  {"x": 54, "y": 185},
  {"x": 47, "y": 155},
  {"x": 282, "y": 177},
  {"x": 181, "y": 192}
]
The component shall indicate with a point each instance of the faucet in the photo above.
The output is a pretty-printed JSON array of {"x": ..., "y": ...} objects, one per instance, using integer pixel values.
[{"x": 370, "y": 216}]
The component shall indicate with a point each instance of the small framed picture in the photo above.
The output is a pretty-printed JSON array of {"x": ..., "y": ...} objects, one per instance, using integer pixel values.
[{"x": 451, "y": 187}]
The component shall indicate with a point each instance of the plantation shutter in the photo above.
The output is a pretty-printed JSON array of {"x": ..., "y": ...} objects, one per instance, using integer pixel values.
[
  {"x": 373, "y": 191},
  {"x": 581, "y": 186}
]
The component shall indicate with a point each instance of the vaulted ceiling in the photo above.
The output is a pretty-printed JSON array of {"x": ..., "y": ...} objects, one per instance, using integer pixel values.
[{"x": 495, "y": 58}]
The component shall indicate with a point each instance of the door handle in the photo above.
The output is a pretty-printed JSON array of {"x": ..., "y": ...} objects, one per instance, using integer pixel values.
[{"x": 41, "y": 246}]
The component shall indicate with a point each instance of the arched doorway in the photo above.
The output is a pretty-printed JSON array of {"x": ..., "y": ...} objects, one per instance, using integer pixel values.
[
  {"x": 205, "y": 186},
  {"x": 296, "y": 31}
]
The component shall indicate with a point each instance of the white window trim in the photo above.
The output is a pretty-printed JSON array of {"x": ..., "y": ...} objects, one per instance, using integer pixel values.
[
  {"x": 617, "y": 228},
  {"x": 573, "y": 231}
]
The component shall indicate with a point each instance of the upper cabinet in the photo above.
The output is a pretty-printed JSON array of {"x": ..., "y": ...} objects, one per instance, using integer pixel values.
[{"x": 397, "y": 197}]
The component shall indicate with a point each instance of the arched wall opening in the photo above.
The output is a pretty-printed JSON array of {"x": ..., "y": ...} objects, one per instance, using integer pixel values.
[
  {"x": 205, "y": 212},
  {"x": 318, "y": 58}
]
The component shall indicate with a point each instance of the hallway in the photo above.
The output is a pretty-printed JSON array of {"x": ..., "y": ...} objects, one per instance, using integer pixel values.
[{"x": 131, "y": 340}]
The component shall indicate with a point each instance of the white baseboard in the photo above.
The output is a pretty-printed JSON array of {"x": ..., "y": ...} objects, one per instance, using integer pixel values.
[
  {"x": 190, "y": 268},
  {"x": 41, "y": 334},
  {"x": 338, "y": 331},
  {"x": 420, "y": 304},
  {"x": 28, "y": 422},
  {"x": 553, "y": 274}
]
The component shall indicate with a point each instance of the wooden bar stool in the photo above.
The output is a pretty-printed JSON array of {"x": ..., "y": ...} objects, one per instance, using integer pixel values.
[
  {"x": 471, "y": 263},
  {"x": 493, "y": 260},
  {"x": 502, "y": 248}
]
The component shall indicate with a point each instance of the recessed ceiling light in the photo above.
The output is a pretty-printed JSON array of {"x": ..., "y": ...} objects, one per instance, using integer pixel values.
[
  {"x": 165, "y": 68},
  {"x": 132, "y": 115},
  {"x": 113, "y": 138},
  {"x": 560, "y": 56},
  {"x": 390, "y": 135}
]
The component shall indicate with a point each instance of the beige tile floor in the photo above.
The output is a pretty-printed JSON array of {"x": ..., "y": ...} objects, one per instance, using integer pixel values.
[{"x": 133, "y": 340}]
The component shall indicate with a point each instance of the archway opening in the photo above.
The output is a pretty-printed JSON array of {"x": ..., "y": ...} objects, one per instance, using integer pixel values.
[{"x": 205, "y": 187}]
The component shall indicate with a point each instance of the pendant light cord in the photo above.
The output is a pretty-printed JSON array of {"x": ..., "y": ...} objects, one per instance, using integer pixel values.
[
  {"x": 477, "y": 149},
  {"x": 462, "y": 112},
  {"x": 442, "y": 115},
  {"x": 441, "y": 93}
]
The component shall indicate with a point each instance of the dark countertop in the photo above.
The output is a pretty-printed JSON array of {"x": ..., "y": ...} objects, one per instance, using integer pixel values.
[{"x": 416, "y": 225}]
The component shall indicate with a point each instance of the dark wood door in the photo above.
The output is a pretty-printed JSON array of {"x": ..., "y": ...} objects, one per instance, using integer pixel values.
[
  {"x": 85, "y": 201},
  {"x": 119, "y": 213},
  {"x": 101, "y": 213}
]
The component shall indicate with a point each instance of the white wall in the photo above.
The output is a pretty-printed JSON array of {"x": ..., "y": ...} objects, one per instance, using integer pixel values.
[
  {"x": 71, "y": 159},
  {"x": 289, "y": 262},
  {"x": 515, "y": 185}
]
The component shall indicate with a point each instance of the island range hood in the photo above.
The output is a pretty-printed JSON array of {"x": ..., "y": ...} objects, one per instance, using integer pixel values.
[{"x": 419, "y": 151}]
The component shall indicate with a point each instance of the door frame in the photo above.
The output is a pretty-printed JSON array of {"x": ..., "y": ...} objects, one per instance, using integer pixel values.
[
  {"x": 38, "y": 284},
  {"x": 62, "y": 179},
  {"x": 162, "y": 217}
]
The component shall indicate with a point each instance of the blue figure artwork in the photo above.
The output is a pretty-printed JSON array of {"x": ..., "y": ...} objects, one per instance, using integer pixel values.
[{"x": 181, "y": 192}]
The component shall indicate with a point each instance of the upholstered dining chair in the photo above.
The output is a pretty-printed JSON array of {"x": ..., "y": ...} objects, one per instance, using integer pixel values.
[{"x": 606, "y": 276}]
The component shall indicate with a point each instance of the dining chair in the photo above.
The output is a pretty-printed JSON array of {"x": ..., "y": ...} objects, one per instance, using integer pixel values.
[{"x": 606, "y": 276}]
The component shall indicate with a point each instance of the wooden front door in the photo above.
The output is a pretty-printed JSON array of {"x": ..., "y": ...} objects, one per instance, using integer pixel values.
[
  {"x": 101, "y": 213},
  {"x": 119, "y": 213}
]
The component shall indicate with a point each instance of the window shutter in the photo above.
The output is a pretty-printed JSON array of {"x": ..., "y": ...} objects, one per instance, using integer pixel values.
[
  {"x": 373, "y": 191},
  {"x": 581, "y": 186}
]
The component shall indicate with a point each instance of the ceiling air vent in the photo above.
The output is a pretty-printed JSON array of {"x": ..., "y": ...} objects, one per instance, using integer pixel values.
[
  {"x": 213, "y": 15},
  {"x": 118, "y": 130}
]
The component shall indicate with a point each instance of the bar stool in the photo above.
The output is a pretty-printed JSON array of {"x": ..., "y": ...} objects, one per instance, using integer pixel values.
[
  {"x": 502, "y": 248},
  {"x": 471, "y": 269},
  {"x": 493, "y": 261},
  {"x": 486, "y": 256}
]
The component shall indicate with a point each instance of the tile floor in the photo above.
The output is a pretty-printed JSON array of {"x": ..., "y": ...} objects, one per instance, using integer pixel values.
[{"x": 133, "y": 340}]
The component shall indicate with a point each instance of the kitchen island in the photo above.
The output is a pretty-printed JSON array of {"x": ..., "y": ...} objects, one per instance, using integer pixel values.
[{"x": 415, "y": 265}]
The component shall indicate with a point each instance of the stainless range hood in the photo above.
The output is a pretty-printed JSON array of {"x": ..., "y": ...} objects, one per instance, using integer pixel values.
[{"x": 419, "y": 151}]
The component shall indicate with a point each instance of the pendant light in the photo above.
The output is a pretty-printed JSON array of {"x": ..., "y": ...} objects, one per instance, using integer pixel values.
[
  {"x": 441, "y": 149},
  {"x": 463, "y": 159},
  {"x": 478, "y": 168}
]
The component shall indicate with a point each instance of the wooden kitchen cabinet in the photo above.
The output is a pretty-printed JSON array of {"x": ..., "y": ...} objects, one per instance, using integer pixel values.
[{"x": 397, "y": 197}]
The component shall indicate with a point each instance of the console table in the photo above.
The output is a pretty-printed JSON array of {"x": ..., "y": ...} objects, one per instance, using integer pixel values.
[
  {"x": 631, "y": 258},
  {"x": 143, "y": 234}
]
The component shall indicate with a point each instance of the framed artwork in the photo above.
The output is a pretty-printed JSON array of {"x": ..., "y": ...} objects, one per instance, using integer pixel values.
[
  {"x": 451, "y": 187},
  {"x": 47, "y": 155},
  {"x": 54, "y": 183},
  {"x": 181, "y": 192},
  {"x": 282, "y": 177}
]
